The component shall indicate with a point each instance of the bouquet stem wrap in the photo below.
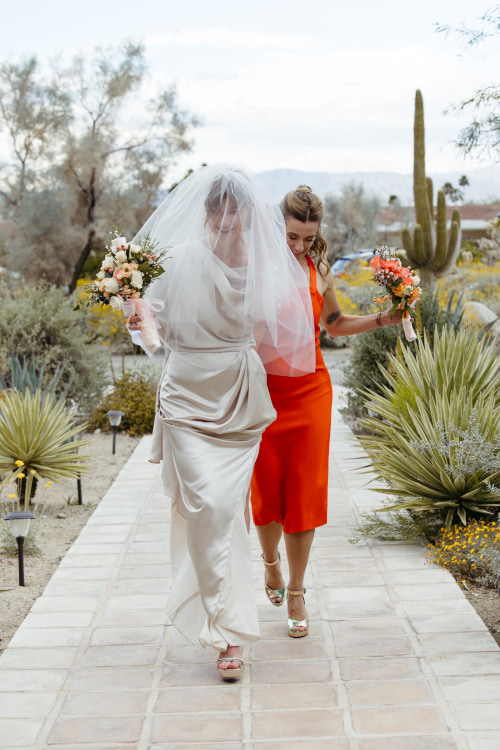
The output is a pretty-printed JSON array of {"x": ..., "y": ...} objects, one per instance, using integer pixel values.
[
  {"x": 147, "y": 337},
  {"x": 408, "y": 327}
]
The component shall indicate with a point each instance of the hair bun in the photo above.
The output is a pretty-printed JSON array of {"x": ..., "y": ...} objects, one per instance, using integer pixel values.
[{"x": 303, "y": 189}]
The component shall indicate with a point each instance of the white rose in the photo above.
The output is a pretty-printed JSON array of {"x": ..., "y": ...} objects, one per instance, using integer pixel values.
[
  {"x": 135, "y": 249},
  {"x": 117, "y": 303},
  {"x": 101, "y": 275},
  {"x": 111, "y": 285},
  {"x": 108, "y": 262},
  {"x": 136, "y": 279},
  {"x": 416, "y": 280},
  {"x": 118, "y": 242},
  {"x": 121, "y": 256}
]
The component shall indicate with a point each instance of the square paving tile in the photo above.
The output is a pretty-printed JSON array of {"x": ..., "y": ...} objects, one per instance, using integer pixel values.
[
  {"x": 103, "y": 729},
  {"x": 19, "y": 732},
  {"x": 294, "y": 696},
  {"x": 297, "y": 724},
  {"x": 386, "y": 668},
  {"x": 388, "y": 692},
  {"x": 420, "y": 742},
  {"x": 472, "y": 663},
  {"x": 281, "y": 672},
  {"x": 212, "y": 727},
  {"x": 397, "y": 720},
  {"x": 137, "y": 678},
  {"x": 120, "y": 656},
  {"x": 390, "y": 646},
  {"x": 226, "y": 697},
  {"x": 477, "y": 715},
  {"x": 105, "y": 703}
]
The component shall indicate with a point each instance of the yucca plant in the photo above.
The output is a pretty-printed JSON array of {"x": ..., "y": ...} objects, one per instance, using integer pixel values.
[
  {"x": 435, "y": 438},
  {"x": 34, "y": 434},
  {"x": 25, "y": 375}
]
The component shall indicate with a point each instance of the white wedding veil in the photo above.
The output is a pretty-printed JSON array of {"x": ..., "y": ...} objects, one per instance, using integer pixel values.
[{"x": 229, "y": 270}]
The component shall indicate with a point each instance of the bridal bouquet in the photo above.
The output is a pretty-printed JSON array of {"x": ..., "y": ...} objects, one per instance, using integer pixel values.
[
  {"x": 126, "y": 272},
  {"x": 401, "y": 287}
]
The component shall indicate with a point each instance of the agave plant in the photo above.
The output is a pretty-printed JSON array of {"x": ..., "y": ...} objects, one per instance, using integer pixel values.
[
  {"x": 436, "y": 440},
  {"x": 37, "y": 442},
  {"x": 25, "y": 375}
]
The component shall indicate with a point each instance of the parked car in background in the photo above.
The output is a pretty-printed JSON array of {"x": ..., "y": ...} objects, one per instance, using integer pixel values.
[{"x": 362, "y": 257}]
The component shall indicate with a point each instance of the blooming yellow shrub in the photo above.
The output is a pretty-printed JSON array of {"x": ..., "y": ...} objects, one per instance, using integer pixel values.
[
  {"x": 106, "y": 323},
  {"x": 469, "y": 552}
]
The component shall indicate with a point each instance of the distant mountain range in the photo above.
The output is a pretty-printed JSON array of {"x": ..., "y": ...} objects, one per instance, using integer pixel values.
[{"x": 484, "y": 183}]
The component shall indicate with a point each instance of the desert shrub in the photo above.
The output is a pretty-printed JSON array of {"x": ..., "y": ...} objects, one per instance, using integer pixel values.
[
  {"x": 397, "y": 526},
  {"x": 434, "y": 439},
  {"x": 134, "y": 393},
  {"x": 104, "y": 325},
  {"x": 371, "y": 351},
  {"x": 40, "y": 321},
  {"x": 469, "y": 552}
]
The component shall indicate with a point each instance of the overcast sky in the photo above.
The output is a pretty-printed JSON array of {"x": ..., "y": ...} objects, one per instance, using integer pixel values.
[{"x": 317, "y": 85}]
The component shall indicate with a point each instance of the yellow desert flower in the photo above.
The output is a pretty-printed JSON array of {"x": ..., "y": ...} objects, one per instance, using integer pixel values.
[
  {"x": 21, "y": 476},
  {"x": 12, "y": 496},
  {"x": 19, "y": 462}
]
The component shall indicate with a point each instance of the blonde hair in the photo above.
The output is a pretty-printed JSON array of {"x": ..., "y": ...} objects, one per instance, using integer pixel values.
[{"x": 304, "y": 205}]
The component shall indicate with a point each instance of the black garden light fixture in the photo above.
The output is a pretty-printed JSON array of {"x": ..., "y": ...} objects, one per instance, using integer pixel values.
[
  {"x": 115, "y": 417},
  {"x": 19, "y": 526}
]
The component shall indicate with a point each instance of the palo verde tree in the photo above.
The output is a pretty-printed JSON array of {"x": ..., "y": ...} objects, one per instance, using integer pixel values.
[
  {"x": 481, "y": 137},
  {"x": 99, "y": 160}
]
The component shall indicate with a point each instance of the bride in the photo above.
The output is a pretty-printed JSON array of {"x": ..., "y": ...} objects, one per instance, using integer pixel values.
[{"x": 236, "y": 304}]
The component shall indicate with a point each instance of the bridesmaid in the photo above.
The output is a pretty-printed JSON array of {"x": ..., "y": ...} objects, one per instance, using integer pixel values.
[{"x": 290, "y": 481}]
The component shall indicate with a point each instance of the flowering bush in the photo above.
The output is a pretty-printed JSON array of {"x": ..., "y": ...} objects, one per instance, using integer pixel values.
[{"x": 469, "y": 552}]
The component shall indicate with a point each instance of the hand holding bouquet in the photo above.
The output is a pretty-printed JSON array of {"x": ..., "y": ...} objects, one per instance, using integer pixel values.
[
  {"x": 400, "y": 285},
  {"x": 126, "y": 272}
]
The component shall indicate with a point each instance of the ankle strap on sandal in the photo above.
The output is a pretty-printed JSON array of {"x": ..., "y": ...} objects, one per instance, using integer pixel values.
[
  {"x": 273, "y": 563},
  {"x": 297, "y": 593}
]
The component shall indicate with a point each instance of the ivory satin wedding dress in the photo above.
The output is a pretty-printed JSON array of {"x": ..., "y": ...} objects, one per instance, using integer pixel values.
[{"x": 212, "y": 408}]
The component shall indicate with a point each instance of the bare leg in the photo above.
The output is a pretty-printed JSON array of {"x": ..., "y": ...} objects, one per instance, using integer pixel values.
[
  {"x": 269, "y": 537},
  {"x": 298, "y": 547}
]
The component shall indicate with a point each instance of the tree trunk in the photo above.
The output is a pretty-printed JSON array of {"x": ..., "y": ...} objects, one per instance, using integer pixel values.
[{"x": 81, "y": 261}]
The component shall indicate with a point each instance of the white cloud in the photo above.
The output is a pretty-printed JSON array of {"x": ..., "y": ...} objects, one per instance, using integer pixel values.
[{"x": 232, "y": 38}]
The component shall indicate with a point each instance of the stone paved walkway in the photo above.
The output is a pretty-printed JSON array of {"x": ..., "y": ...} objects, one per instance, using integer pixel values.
[{"x": 396, "y": 658}]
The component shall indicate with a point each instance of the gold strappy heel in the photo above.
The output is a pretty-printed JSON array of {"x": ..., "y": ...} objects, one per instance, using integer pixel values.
[
  {"x": 230, "y": 674},
  {"x": 297, "y": 623},
  {"x": 277, "y": 593}
]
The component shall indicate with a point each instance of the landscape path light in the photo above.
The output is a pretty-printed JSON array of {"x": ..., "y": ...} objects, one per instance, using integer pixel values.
[
  {"x": 19, "y": 525},
  {"x": 115, "y": 417}
]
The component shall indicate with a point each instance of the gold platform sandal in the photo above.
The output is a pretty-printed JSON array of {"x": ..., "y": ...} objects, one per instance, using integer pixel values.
[
  {"x": 230, "y": 674},
  {"x": 297, "y": 623},
  {"x": 276, "y": 593}
]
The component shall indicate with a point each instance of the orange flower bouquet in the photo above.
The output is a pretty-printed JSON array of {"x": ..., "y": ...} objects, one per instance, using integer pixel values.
[{"x": 401, "y": 287}]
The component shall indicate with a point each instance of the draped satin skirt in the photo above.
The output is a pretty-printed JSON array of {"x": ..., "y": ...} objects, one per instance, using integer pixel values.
[{"x": 212, "y": 409}]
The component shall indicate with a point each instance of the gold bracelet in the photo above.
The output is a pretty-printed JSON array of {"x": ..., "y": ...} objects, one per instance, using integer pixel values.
[{"x": 379, "y": 322}]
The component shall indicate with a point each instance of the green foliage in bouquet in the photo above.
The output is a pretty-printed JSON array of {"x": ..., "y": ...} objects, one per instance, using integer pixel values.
[
  {"x": 134, "y": 393},
  {"x": 371, "y": 350},
  {"x": 37, "y": 442},
  {"x": 435, "y": 436},
  {"x": 40, "y": 322}
]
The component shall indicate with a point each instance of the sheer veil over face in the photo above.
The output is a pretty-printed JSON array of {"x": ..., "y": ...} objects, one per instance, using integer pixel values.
[{"x": 230, "y": 280}]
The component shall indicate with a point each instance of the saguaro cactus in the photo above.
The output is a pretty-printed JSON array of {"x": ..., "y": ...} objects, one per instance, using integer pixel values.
[{"x": 429, "y": 249}]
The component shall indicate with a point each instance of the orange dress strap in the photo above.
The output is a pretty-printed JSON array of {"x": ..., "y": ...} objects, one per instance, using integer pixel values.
[{"x": 312, "y": 269}]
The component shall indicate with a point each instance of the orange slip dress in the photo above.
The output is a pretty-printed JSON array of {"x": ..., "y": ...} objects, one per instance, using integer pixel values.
[{"x": 290, "y": 479}]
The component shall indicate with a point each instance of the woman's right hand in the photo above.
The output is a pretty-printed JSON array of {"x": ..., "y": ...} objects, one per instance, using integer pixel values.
[{"x": 133, "y": 323}]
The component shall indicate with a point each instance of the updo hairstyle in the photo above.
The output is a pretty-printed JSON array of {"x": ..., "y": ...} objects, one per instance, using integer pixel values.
[{"x": 304, "y": 205}]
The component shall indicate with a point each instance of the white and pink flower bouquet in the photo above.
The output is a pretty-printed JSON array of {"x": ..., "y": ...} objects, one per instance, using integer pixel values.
[{"x": 125, "y": 274}]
